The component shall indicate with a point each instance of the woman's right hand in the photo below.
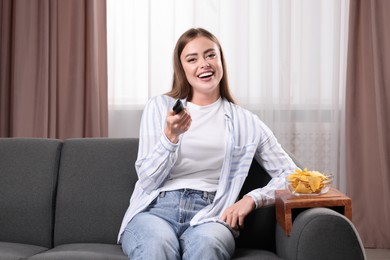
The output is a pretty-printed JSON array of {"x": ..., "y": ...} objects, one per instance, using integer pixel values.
[{"x": 177, "y": 124}]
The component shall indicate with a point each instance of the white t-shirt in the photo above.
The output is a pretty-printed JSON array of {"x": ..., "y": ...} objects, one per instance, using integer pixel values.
[{"x": 201, "y": 152}]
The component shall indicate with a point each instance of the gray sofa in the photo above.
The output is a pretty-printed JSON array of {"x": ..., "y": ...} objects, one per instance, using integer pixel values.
[{"x": 66, "y": 199}]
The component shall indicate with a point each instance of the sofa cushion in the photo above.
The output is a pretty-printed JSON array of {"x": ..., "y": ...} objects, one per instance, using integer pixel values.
[
  {"x": 28, "y": 178},
  {"x": 96, "y": 180},
  {"x": 83, "y": 252},
  {"x": 16, "y": 251}
]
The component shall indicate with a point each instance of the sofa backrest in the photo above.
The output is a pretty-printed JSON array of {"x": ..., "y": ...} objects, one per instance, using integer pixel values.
[
  {"x": 260, "y": 225},
  {"x": 28, "y": 176},
  {"x": 96, "y": 180}
]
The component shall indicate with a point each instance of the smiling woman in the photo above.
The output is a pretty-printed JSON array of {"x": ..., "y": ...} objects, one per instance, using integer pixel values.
[
  {"x": 200, "y": 56},
  {"x": 202, "y": 65},
  {"x": 190, "y": 175}
]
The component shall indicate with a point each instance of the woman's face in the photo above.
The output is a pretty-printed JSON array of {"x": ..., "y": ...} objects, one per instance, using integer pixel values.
[{"x": 201, "y": 61}]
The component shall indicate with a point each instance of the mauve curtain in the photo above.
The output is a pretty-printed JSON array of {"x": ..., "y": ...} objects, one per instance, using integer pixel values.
[
  {"x": 53, "y": 68},
  {"x": 368, "y": 120}
]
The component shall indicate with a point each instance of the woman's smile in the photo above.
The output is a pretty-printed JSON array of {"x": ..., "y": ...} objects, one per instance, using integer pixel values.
[{"x": 201, "y": 61}]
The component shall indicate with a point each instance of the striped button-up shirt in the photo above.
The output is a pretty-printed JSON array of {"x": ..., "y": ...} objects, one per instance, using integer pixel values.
[{"x": 247, "y": 138}]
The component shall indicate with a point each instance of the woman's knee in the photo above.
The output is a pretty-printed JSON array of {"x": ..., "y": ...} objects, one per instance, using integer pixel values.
[{"x": 208, "y": 241}]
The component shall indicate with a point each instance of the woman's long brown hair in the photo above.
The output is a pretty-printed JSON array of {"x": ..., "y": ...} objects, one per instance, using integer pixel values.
[{"x": 181, "y": 88}]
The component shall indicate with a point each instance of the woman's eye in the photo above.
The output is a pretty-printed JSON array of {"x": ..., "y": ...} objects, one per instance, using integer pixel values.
[
  {"x": 211, "y": 55},
  {"x": 191, "y": 60}
]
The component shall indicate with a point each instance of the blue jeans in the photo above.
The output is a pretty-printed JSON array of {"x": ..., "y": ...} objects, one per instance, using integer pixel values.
[{"x": 163, "y": 230}]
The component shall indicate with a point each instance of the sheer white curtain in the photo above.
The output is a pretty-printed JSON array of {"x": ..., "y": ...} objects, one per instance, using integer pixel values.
[{"x": 286, "y": 62}]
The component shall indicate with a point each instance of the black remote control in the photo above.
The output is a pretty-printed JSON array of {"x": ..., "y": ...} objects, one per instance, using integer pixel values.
[{"x": 178, "y": 106}]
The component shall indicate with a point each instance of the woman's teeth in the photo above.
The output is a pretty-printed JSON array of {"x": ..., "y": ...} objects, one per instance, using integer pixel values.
[{"x": 205, "y": 75}]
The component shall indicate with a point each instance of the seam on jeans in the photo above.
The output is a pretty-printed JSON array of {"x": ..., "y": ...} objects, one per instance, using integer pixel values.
[{"x": 137, "y": 239}]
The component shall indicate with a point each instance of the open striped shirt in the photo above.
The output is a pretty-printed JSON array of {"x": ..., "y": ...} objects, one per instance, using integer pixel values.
[{"x": 247, "y": 138}]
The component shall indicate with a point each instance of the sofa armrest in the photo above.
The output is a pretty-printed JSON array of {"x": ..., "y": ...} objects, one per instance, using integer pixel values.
[{"x": 320, "y": 233}]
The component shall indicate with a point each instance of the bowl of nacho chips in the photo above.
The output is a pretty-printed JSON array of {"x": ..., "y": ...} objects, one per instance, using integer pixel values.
[{"x": 305, "y": 182}]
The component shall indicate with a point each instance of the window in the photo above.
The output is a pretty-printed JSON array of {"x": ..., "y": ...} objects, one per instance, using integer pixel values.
[{"x": 285, "y": 60}]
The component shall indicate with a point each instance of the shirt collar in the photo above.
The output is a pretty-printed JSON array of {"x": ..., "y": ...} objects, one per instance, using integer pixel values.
[{"x": 227, "y": 107}]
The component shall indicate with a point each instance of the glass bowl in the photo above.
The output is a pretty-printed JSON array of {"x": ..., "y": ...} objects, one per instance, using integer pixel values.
[{"x": 309, "y": 187}]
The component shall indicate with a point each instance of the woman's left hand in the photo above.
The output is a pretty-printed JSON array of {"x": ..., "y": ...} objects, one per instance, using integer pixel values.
[{"x": 235, "y": 214}]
